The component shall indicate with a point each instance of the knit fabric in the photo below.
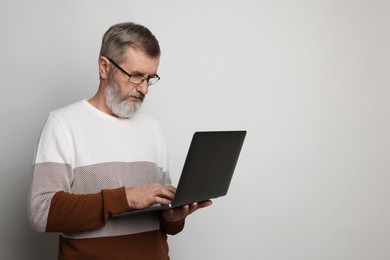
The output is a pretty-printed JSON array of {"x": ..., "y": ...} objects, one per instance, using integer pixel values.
[{"x": 83, "y": 161}]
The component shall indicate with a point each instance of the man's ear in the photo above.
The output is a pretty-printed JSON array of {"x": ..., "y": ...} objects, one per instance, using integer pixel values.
[{"x": 104, "y": 68}]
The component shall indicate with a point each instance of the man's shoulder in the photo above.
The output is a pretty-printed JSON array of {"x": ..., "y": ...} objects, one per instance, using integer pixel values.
[{"x": 68, "y": 110}]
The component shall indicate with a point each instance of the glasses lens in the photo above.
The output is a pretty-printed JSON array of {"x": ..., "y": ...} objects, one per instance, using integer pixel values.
[
  {"x": 137, "y": 79},
  {"x": 153, "y": 80}
]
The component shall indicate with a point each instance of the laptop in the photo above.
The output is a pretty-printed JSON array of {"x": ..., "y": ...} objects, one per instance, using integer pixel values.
[{"x": 208, "y": 169}]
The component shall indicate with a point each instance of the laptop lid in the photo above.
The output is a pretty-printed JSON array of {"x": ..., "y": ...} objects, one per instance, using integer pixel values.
[{"x": 208, "y": 168}]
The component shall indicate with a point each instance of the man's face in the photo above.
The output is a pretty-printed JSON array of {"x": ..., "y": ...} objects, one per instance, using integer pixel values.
[{"x": 123, "y": 97}]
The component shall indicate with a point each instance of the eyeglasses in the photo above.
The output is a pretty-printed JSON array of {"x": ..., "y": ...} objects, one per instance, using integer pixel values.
[{"x": 137, "y": 79}]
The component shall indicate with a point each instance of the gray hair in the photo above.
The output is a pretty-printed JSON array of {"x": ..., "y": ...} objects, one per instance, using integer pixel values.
[{"x": 120, "y": 37}]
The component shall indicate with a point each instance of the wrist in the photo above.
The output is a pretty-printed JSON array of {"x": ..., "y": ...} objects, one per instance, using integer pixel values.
[{"x": 129, "y": 198}]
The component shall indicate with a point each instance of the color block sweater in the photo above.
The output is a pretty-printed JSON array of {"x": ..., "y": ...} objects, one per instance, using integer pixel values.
[{"x": 84, "y": 160}]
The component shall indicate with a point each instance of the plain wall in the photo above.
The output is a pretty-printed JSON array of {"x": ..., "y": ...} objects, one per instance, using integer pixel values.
[{"x": 309, "y": 80}]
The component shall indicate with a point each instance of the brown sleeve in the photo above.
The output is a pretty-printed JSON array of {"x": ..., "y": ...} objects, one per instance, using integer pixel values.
[
  {"x": 171, "y": 228},
  {"x": 76, "y": 213}
]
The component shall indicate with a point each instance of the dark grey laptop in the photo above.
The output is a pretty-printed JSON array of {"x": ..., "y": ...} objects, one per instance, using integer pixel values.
[{"x": 208, "y": 168}]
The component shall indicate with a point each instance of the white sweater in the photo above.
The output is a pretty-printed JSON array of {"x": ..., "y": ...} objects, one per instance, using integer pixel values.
[{"x": 84, "y": 151}]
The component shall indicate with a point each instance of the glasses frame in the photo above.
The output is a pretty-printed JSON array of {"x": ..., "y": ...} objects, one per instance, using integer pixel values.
[{"x": 129, "y": 75}]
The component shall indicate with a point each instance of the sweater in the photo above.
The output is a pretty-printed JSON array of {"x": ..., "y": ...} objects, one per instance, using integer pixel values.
[{"x": 83, "y": 162}]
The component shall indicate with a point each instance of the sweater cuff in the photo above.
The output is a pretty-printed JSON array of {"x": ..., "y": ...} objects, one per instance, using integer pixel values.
[
  {"x": 115, "y": 201},
  {"x": 171, "y": 228}
]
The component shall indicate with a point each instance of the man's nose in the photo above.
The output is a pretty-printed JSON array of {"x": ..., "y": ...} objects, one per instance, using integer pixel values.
[{"x": 143, "y": 87}]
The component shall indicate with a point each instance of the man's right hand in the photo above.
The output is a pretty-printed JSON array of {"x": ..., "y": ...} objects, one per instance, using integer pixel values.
[{"x": 144, "y": 196}]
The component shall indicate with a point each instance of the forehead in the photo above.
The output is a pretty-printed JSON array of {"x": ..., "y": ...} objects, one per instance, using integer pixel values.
[{"x": 136, "y": 60}]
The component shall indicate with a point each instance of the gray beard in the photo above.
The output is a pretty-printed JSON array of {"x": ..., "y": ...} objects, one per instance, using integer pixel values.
[{"x": 118, "y": 104}]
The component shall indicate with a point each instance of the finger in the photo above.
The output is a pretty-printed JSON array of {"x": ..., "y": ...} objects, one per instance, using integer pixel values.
[
  {"x": 167, "y": 193},
  {"x": 161, "y": 200},
  {"x": 163, "y": 192},
  {"x": 204, "y": 204},
  {"x": 198, "y": 205},
  {"x": 171, "y": 189},
  {"x": 183, "y": 210},
  {"x": 192, "y": 207}
]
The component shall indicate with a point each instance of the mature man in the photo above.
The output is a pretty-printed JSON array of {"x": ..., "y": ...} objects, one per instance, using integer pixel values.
[{"x": 100, "y": 157}]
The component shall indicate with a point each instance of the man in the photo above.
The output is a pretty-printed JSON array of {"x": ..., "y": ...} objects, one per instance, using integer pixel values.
[{"x": 99, "y": 157}]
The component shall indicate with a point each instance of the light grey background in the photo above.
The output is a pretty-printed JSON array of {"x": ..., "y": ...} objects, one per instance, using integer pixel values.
[{"x": 309, "y": 80}]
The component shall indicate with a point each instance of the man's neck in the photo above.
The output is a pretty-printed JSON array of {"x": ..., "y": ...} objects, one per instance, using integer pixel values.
[{"x": 99, "y": 102}]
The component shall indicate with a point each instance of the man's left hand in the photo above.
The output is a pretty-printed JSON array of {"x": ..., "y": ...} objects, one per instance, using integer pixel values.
[{"x": 180, "y": 213}]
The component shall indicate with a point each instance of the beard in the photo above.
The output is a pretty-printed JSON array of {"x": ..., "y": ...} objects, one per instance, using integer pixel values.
[{"x": 118, "y": 104}]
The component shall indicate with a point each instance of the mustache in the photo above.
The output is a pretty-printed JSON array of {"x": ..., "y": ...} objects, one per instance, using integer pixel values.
[{"x": 136, "y": 94}]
